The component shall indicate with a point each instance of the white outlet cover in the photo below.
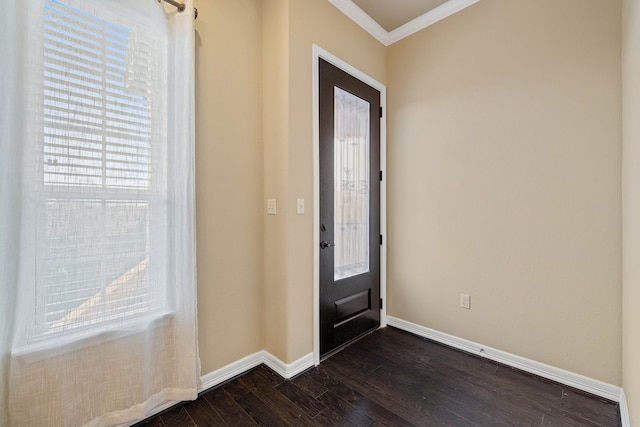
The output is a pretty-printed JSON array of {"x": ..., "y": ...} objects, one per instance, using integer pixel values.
[{"x": 465, "y": 301}]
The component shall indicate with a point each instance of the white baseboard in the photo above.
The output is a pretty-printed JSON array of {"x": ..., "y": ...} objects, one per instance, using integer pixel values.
[
  {"x": 285, "y": 370},
  {"x": 236, "y": 368},
  {"x": 624, "y": 410},
  {"x": 288, "y": 370},
  {"x": 571, "y": 379}
]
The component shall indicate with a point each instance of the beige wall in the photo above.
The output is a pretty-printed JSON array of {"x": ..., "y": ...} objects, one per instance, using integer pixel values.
[
  {"x": 254, "y": 141},
  {"x": 631, "y": 206},
  {"x": 229, "y": 194},
  {"x": 289, "y": 156},
  {"x": 504, "y": 152},
  {"x": 504, "y": 177},
  {"x": 276, "y": 176}
]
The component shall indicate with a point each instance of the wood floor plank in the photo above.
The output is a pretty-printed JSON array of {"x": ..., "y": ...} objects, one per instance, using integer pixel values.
[
  {"x": 369, "y": 360},
  {"x": 490, "y": 391},
  {"x": 263, "y": 414},
  {"x": 278, "y": 403},
  {"x": 556, "y": 417},
  {"x": 348, "y": 414},
  {"x": 583, "y": 406},
  {"x": 454, "y": 358},
  {"x": 424, "y": 409},
  {"x": 155, "y": 421},
  {"x": 307, "y": 403},
  {"x": 236, "y": 388},
  {"x": 203, "y": 414},
  {"x": 178, "y": 418},
  {"x": 228, "y": 408},
  {"x": 452, "y": 391},
  {"x": 356, "y": 396},
  {"x": 329, "y": 417},
  {"x": 472, "y": 377},
  {"x": 417, "y": 356},
  {"x": 520, "y": 389},
  {"x": 309, "y": 386},
  {"x": 268, "y": 376},
  {"x": 357, "y": 408}
]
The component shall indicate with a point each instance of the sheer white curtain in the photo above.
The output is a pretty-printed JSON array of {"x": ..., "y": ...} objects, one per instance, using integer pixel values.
[{"x": 97, "y": 251}]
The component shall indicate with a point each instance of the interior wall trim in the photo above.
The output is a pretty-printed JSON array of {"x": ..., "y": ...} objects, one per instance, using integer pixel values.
[
  {"x": 288, "y": 370},
  {"x": 357, "y": 15},
  {"x": 421, "y": 22},
  {"x": 580, "y": 382},
  {"x": 239, "y": 367},
  {"x": 624, "y": 410},
  {"x": 231, "y": 370}
]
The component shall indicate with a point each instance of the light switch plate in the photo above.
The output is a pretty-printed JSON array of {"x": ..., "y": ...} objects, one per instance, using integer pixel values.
[
  {"x": 300, "y": 206},
  {"x": 271, "y": 206}
]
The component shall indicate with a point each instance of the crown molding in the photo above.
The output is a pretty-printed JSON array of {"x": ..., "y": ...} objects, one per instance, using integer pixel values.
[
  {"x": 421, "y": 22},
  {"x": 357, "y": 15}
]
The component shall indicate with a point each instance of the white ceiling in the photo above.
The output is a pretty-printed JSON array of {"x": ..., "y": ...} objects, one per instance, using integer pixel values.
[{"x": 392, "y": 20}]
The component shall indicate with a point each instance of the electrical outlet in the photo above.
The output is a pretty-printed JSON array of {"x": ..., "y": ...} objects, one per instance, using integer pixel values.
[{"x": 465, "y": 301}]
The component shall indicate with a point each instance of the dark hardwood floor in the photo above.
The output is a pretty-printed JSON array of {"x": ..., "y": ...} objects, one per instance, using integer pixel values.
[{"x": 393, "y": 378}]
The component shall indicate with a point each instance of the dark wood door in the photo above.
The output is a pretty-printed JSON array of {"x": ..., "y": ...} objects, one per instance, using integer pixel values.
[{"x": 349, "y": 207}]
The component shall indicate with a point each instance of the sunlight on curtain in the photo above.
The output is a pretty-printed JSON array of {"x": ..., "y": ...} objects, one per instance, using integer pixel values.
[
  {"x": 351, "y": 192},
  {"x": 98, "y": 187},
  {"x": 12, "y": 45}
]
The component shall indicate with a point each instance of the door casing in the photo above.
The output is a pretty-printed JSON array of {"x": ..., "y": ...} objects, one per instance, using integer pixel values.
[{"x": 318, "y": 52}]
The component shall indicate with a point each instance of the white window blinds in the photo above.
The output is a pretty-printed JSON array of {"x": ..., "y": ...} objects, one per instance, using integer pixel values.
[
  {"x": 98, "y": 195},
  {"x": 97, "y": 122}
]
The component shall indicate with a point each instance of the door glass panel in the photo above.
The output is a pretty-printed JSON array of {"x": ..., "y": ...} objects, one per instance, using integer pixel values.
[{"x": 351, "y": 181}]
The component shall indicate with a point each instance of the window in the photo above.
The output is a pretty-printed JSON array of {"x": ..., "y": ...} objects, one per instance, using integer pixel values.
[
  {"x": 97, "y": 193},
  {"x": 351, "y": 192},
  {"x": 102, "y": 185}
]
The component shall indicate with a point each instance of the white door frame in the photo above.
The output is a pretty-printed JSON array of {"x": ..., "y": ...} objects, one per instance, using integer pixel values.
[{"x": 318, "y": 53}]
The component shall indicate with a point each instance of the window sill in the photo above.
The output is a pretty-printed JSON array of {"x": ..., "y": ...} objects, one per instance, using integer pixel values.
[{"x": 57, "y": 345}]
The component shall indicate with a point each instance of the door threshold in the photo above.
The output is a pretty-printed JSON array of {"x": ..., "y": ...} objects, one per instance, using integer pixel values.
[{"x": 348, "y": 343}]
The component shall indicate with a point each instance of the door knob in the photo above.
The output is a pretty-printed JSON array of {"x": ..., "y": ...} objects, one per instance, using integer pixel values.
[{"x": 325, "y": 245}]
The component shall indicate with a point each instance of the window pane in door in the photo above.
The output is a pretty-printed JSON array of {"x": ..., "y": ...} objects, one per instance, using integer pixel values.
[{"x": 351, "y": 181}]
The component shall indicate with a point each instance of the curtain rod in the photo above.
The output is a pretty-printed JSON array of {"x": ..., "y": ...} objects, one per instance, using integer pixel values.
[{"x": 180, "y": 7}]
